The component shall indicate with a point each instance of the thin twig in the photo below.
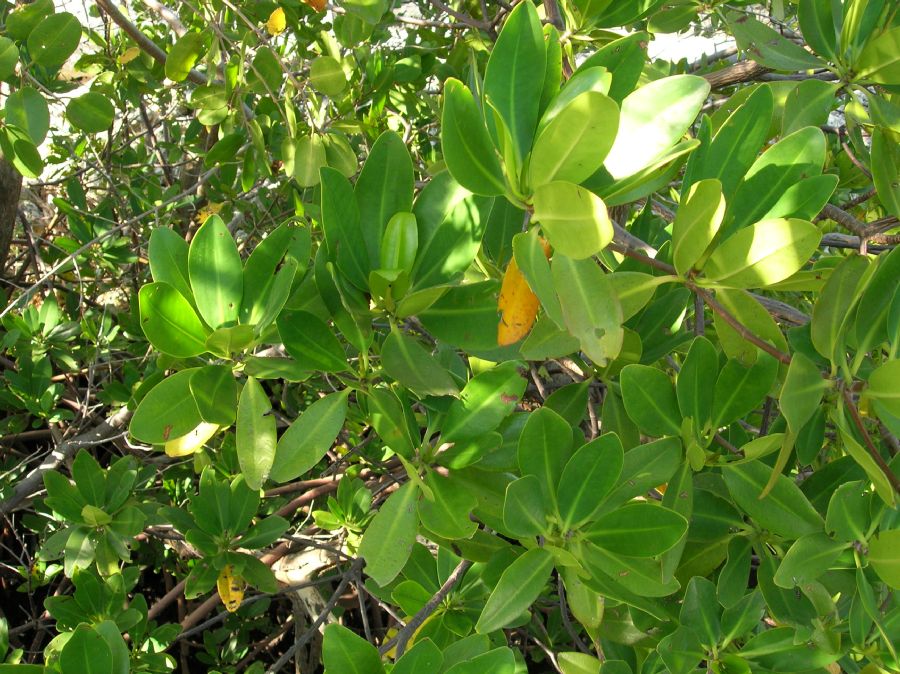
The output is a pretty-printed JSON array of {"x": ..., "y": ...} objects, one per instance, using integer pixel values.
[
  {"x": 873, "y": 450},
  {"x": 326, "y": 610},
  {"x": 403, "y": 636}
]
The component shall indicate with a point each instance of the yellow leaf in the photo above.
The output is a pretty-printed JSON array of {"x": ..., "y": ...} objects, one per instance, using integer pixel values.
[
  {"x": 208, "y": 210},
  {"x": 129, "y": 55},
  {"x": 277, "y": 22},
  {"x": 231, "y": 588},
  {"x": 192, "y": 441},
  {"x": 518, "y": 305}
]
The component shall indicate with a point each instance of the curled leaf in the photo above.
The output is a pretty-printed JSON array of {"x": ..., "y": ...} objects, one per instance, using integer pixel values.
[{"x": 191, "y": 442}]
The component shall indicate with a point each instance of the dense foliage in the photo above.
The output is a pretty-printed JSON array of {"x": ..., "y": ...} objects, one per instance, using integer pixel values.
[{"x": 423, "y": 337}]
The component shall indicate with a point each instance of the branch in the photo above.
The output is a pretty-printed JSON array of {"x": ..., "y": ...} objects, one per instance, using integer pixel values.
[
  {"x": 459, "y": 16},
  {"x": 302, "y": 641},
  {"x": 404, "y": 635},
  {"x": 741, "y": 329},
  {"x": 873, "y": 450},
  {"x": 32, "y": 483},
  {"x": 742, "y": 71},
  {"x": 144, "y": 42}
]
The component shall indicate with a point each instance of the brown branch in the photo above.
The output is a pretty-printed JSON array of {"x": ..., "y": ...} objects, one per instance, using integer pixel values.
[
  {"x": 404, "y": 635},
  {"x": 739, "y": 327},
  {"x": 742, "y": 71},
  {"x": 873, "y": 450}
]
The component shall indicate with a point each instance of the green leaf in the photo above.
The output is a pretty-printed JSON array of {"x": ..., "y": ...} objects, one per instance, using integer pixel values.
[
  {"x": 184, "y": 54},
  {"x": 327, "y": 76},
  {"x": 700, "y": 611},
  {"x": 525, "y": 508},
  {"x": 802, "y": 392},
  {"x": 808, "y": 105},
  {"x": 886, "y": 167},
  {"x": 447, "y": 514},
  {"x": 743, "y": 306},
  {"x": 740, "y": 389},
  {"x": 167, "y": 412},
  {"x": 344, "y": 651},
  {"x": 487, "y": 399},
  {"x": 573, "y": 145},
  {"x": 776, "y": 650},
  {"x": 169, "y": 321},
  {"x": 817, "y": 22},
  {"x": 698, "y": 219},
  {"x": 883, "y": 386},
  {"x": 808, "y": 558},
  {"x": 518, "y": 587},
  {"x": 769, "y": 47},
  {"x": 255, "y": 434},
  {"x": 736, "y": 144},
  {"x": 407, "y": 361},
  {"x": 400, "y": 242},
  {"x": 848, "y": 512},
  {"x": 545, "y": 446},
  {"x": 91, "y": 112},
  {"x": 535, "y": 267},
  {"x": 9, "y": 57},
  {"x": 587, "y": 479},
  {"x": 468, "y": 152},
  {"x": 644, "y": 136},
  {"x": 216, "y": 273},
  {"x": 574, "y": 219},
  {"x": 451, "y": 223},
  {"x": 591, "y": 311},
  {"x": 309, "y": 158},
  {"x": 797, "y": 156},
  {"x": 681, "y": 651},
  {"x": 832, "y": 310},
  {"x": 54, "y": 39},
  {"x": 387, "y": 417},
  {"x": 343, "y": 233},
  {"x": 637, "y": 530},
  {"x": 762, "y": 254},
  {"x": 307, "y": 439},
  {"x": 27, "y": 109},
  {"x": 784, "y": 511},
  {"x": 89, "y": 478},
  {"x": 650, "y": 400},
  {"x": 423, "y": 657},
  {"x": 570, "y": 401},
  {"x": 880, "y": 58},
  {"x": 694, "y": 388},
  {"x": 388, "y": 541},
  {"x": 260, "y": 283},
  {"x": 743, "y": 616},
  {"x": 884, "y": 556},
  {"x": 168, "y": 255},
  {"x": 804, "y": 199},
  {"x": 573, "y": 662},
  {"x": 499, "y": 660},
  {"x": 384, "y": 187},
  {"x": 311, "y": 342},
  {"x": 511, "y": 80},
  {"x": 864, "y": 458},
  {"x": 86, "y": 652}
]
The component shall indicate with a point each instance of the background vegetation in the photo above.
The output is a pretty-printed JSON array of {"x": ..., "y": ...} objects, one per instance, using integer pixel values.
[{"x": 449, "y": 337}]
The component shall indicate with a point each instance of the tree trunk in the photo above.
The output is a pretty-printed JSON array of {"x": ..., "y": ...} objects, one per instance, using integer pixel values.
[{"x": 10, "y": 190}]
